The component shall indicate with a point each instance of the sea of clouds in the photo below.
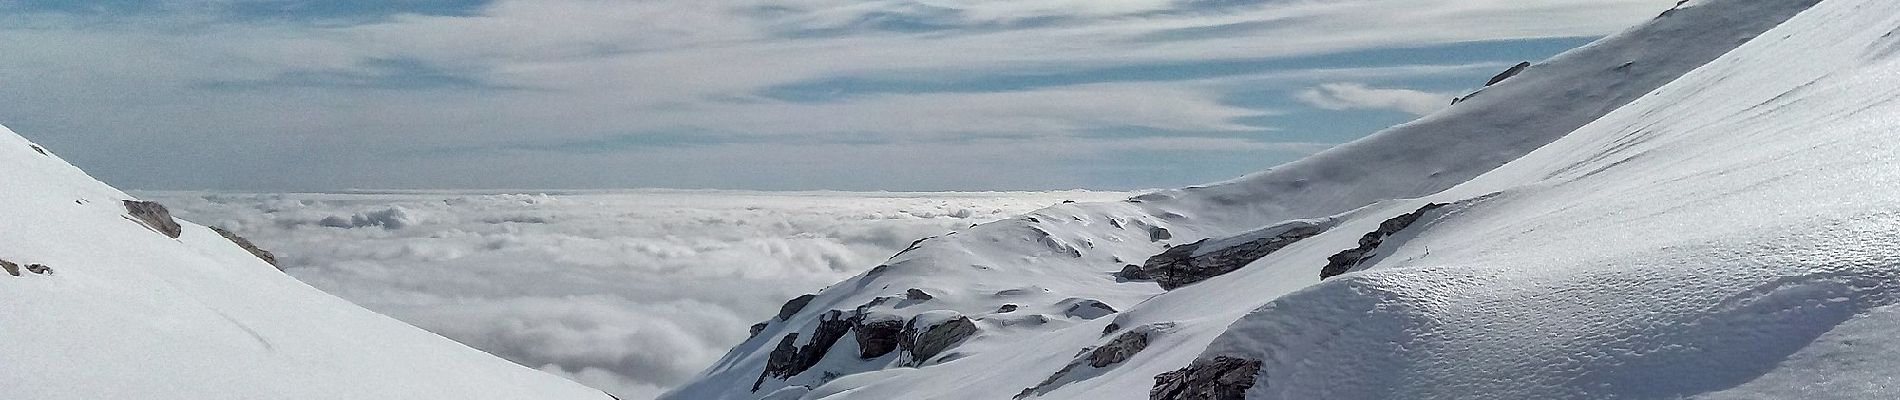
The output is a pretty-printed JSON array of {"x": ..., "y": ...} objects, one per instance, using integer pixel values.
[{"x": 628, "y": 291}]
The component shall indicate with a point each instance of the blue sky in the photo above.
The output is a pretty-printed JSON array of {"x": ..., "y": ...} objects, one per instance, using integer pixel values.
[{"x": 275, "y": 95}]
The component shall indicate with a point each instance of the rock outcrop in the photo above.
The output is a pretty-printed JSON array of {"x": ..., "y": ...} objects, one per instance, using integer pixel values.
[
  {"x": 925, "y": 340},
  {"x": 1508, "y": 73},
  {"x": 1120, "y": 349},
  {"x": 1345, "y": 261},
  {"x": 878, "y": 334},
  {"x": 789, "y": 359},
  {"x": 248, "y": 246},
  {"x": 1181, "y": 266},
  {"x": 154, "y": 216},
  {"x": 793, "y": 306},
  {"x": 1222, "y": 378}
]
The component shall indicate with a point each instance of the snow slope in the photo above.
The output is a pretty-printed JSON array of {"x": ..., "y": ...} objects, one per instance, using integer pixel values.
[
  {"x": 129, "y": 313},
  {"x": 1730, "y": 236},
  {"x": 1020, "y": 280}
]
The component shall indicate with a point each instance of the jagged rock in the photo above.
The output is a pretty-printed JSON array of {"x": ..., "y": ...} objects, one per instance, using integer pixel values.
[
  {"x": 1179, "y": 266},
  {"x": 878, "y": 335},
  {"x": 925, "y": 340},
  {"x": 39, "y": 269},
  {"x": 793, "y": 306},
  {"x": 916, "y": 294},
  {"x": 248, "y": 246},
  {"x": 1508, "y": 73},
  {"x": 1223, "y": 378},
  {"x": 1120, "y": 349},
  {"x": 1089, "y": 309},
  {"x": 788, "y": 360},
  {"x": 154, "y": 215},
  {"x": 756, "y": 328},
  {"x": 1156, "y": 234},
  {"x": 12, "y": 269},
  {"x": 1006, "y": 308},
  {"x": 1345, "y": 261}
]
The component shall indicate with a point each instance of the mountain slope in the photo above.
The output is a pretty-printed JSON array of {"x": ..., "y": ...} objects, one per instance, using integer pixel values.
[
  {"x": 1730, "y": 236},
  {"x": 123, "y": 310},
  {"x": 1031, "y": 287}
]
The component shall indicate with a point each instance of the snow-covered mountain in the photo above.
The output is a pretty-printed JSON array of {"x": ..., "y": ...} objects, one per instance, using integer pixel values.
[
  {"x": 106, "y": 297},
  {"x": 1701, "y": 206}
]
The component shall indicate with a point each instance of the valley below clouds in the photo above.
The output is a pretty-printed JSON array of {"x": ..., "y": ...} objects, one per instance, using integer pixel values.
[{"x": 628, "y": 291}]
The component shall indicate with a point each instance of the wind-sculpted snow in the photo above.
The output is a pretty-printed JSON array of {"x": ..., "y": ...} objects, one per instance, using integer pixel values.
[
  {"x": 1015, "y": 276},
  {"x": 629, "y": 291}
]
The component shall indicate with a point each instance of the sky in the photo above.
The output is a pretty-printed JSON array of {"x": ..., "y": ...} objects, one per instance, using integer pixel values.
[{"x": 276, "y": 95}]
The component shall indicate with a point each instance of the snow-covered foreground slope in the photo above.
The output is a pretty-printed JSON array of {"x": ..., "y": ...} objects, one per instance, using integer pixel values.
[
  {"x": 124, "y": 311},
  {"x": 1704, "y": 238},
  {"x": 1731, "y": 236}
]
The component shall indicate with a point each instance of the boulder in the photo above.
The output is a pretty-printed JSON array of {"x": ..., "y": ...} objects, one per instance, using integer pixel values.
[
  {"x": 878, "y": 335},
  {"x": 154, "y": 216},
  {"x": 10, "y": 267},
  {"x": 917, "y": 294},
  {"x": 1222, "y": 378}
]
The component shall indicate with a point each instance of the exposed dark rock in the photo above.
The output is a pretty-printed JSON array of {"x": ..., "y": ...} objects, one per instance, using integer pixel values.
[
  {"x": 1178, "y": 266},
  {"x": 39, "y": 269},
  {"x": 1053, "y": 243},
  {"x": 793, "y": 306},
  {"x": 878, "y": 335},
  {"x": 788, "y": 360},
  {"x": 1345, "y": 261},
  {"x": 1156, "y": 234},
  {"x": 916, "y": 294},
  {"x": 38, "y": 149},
  {"x": 154, "y": 215},
  {"x": 1508, "y": 73},
  {"x": 1223, "y": 378},
  {"x": 1120, "y": 349},
  {"x": 248, "y": 246},
  {"x": 1006, "y": 308},
  {"x": 926, "y": 342},
  {"x": 756, "y": 328},
  {"x": 1089, "y": 309},
  {"x": 12, "y": 269},
  {"x": 1111, "y": 328},
  {"x": 913, "y": 246}
]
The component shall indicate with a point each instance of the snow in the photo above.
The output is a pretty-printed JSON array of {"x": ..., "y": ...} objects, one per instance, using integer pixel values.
[
  {"x": 1690, "y": 208},
  {"x": 129, "y": 313}
]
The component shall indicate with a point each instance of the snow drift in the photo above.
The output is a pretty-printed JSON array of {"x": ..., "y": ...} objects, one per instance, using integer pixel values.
[
  {"x": 114, "y": 299},
  {"x": 1692, "y": 208}
]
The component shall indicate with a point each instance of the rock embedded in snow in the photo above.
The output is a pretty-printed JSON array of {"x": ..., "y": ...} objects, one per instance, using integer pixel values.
[
  {"x": 154, "y": 216},
  {"x": 928, "y": 335},
  {"x": 39, "y": 269},
  {"x": 793, "y": 306},
  {"x": 1089, "y": 309},
  {"x": 878, "y": 334},
  {"x": 10, "y": 267},
  {"x": 1221, "y": 378},
  {"x": 1345, "y": 261},
  {"x": 789, "y": 359},
  {"x": 1193, "y": 262},
  {"x": 1119, "y": 349},
  {"x": 1508, "y": 73},
  {"x": 917, "y": 294},
  {"x": 248, "y": 247},
  {"x": 1156, "y": 234}
]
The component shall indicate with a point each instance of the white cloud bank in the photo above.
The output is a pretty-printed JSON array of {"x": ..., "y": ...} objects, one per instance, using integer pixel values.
[
  {"x": 1347, "y": 96},
  {"x": 630, "y": 292}
]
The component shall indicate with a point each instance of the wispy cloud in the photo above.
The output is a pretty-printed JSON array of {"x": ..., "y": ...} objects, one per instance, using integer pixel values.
[
  {"x": 1347, "y": 96},
  {"x": 334, "y": 85}
]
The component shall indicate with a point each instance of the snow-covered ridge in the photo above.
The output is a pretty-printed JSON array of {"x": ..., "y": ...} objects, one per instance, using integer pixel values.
[
  {"x": 1020, "y": 282},
  {"x": 110, "y": 305}
]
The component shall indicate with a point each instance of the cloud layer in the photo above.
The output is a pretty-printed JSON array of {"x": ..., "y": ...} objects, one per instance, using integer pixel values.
[
  {"x": 584, "y": 93},
  {"x": 629, "y": 292}
]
